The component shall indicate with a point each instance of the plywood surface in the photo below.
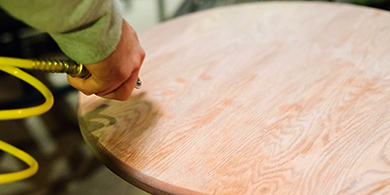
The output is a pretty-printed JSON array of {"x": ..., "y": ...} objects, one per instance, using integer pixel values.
[{"x": 269, "y": 98}]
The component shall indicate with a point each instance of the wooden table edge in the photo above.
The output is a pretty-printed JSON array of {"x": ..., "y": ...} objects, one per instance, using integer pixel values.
[{"x": 134, "y": 177}]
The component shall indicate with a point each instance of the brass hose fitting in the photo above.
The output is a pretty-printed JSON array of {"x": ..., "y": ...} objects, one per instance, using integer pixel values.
[{"x": 70, "y": 67}]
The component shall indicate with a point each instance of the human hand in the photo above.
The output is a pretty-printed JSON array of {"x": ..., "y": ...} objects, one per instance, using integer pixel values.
[{"x": 116, "y": 76}]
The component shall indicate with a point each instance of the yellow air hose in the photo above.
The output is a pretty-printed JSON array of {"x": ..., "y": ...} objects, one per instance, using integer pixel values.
[{"x": 11, "y": 66}]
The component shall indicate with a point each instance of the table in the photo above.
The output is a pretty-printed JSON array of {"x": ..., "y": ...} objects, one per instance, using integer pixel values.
[{"x": 267, "y": 98}]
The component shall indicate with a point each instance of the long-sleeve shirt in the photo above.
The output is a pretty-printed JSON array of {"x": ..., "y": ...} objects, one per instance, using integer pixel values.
[{"x": 87, "y": 31}]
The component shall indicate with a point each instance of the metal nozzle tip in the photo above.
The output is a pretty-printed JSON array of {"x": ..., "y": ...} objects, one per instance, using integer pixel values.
[{"x": 139, "y": 83}]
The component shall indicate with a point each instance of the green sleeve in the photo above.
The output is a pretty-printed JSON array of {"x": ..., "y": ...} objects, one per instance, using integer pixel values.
[{"x": 85, "y": 30}]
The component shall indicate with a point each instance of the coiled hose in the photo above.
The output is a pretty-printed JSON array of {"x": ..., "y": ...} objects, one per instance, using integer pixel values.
[{"x": 11, "y": 66}]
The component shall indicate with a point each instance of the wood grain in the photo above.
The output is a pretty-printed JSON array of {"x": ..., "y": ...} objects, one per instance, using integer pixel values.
[{"x": 268, "y": 98}]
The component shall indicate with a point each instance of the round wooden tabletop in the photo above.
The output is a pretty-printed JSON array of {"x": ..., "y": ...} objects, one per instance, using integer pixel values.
[{"x": 267, "y": 98}]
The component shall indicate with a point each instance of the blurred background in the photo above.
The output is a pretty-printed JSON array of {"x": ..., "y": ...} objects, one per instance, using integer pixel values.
[{"x": 67, "y": 166}]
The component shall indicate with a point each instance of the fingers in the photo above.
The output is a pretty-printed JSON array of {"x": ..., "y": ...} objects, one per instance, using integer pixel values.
[
  {"x": 92, "y": 85},
  {"x": 79, "y": 84},
  {"x": 121, "y": 91},
  {"x": 124, "y": 91}
]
